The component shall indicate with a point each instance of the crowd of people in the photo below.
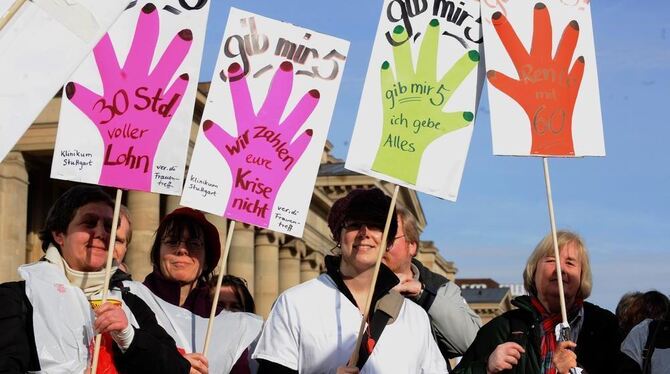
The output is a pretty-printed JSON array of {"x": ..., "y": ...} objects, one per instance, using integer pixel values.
[{"x": 417, "y": 322}]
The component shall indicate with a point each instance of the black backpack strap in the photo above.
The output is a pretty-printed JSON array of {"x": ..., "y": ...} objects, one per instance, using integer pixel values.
[{"x": 650, "y": 345}]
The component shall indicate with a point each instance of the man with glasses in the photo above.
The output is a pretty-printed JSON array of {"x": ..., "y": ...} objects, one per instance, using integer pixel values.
[
  {"x": 454, "y": 324},
  {"x": 124, "y": 234}
]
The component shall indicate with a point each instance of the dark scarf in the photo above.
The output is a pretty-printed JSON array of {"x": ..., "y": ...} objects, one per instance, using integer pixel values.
[
  {"x": 386, "y": 280},
  {"x": 549, "y": 322},
  {"x": 198, "y": 301}
]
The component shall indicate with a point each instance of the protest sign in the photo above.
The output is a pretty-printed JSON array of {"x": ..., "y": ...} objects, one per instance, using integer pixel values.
[
  {"x": 543, "y": 82},
  {"x": 265, "y": 124},
  {"x": 62, "y": 33},
  {"x": 127, "y": 112},
  {"x": 420, "y": 97}
]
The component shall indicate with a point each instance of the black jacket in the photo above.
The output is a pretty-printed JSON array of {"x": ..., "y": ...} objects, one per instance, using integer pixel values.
[
  {"x": 152, "y": 349},
  {"x": 597, "y": 345}
]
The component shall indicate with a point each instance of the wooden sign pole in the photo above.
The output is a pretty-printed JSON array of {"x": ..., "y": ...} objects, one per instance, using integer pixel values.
[
  {"x": 354, "y": 355},
  {"x": 108, "y": 273},
  {"x": 552, "y": 220},
  {"x": 222, "y": 269},
  {"x": 11, "y": 12}
]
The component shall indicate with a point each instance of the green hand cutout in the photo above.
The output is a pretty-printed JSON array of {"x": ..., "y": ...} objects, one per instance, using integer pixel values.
[{"x": 414, "y": 102}]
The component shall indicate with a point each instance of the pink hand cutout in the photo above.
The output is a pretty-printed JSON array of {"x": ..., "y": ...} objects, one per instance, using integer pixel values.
[
  {"x": 264, "y": 152},
  {"x": 136, "y": 106}
]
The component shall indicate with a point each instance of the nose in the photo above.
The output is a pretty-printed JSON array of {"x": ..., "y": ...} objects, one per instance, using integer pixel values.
[
  {"x": 182, "y": 248},
  {"x": 363, "y": 231},
  {"x": 102, "y": 231}
]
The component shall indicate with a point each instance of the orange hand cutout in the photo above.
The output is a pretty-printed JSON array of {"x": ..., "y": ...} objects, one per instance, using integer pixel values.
[{"x": 547, "y": 88}]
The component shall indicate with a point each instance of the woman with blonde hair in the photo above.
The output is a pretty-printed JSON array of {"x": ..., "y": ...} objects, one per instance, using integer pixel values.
[{"x": 524, "y": 340}]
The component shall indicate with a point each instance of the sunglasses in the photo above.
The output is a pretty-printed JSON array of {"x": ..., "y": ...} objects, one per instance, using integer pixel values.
[
  {"x": 191, "y": 244},
  {"x": 357, "y": 225}
]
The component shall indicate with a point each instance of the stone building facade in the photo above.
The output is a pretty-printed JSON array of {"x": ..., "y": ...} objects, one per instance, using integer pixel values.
[
  {"x": 270, "y": 262},
  {"x": 486, "y": 297}
]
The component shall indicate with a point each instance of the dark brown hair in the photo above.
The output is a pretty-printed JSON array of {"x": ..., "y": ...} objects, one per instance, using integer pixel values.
[{"x": 65, "y": 208}]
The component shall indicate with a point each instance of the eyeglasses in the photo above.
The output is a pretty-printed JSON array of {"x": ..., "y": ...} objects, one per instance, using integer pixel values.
[
  {"x": 357, "y": 225},
  {"x": 191, "y": 244}
]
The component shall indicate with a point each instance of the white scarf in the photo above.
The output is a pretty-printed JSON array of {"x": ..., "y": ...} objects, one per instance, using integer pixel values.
[{"x": 91, "y": 282}]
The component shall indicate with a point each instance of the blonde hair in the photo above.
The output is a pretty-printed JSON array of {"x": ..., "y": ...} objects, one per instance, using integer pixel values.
[
  {"x": 546, "y": 248},
  {"x": 410, "y": 227},
  {"x": 124, "y": 212}
]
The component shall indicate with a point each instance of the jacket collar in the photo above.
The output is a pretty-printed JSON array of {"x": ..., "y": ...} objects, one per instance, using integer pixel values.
[
  {"x": 199, "y": 300},
  {"x": 574, "y": 319},
  {"x": 386, "y": 280}
]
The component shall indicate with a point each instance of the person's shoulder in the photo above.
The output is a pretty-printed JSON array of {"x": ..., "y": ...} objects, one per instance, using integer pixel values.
[
  {"x": 413, "y": 310},
  {"x": 13, "y": 298},
  {"x": 135, "y": 287},
  {"x": 639, "y": 331},
  {"x": 428, "y": 276},
  {"x": 593, "y": 311},
  {"x": 601, "y": 324},
  {"x": 593, "y": 308},
  {"x": 519, "y": 318},
  {"x": 12, "y": 291},
  {"x": 120, "y": 276},
  {"x": 14, "y": 286},
  {"x": 310, "y": 290},
  {"x": 510, "y": 317}
]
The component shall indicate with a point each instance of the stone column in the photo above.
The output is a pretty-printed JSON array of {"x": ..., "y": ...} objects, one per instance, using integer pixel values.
[
  {"x": 13, "y": 220},
  {"x": 266, "y": 280},
  {"x": 171, "y": 203},
  {"x": 145, "y": 210},
  {"x": 241, "y": 257},
  {"x": 289, "y": 263},
  {"x": 220, "y": 224},
  {"x": 311, "y": 265}
]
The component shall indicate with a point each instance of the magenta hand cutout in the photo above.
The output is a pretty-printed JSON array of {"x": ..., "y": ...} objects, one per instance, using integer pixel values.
[
  {"x": 264, "y": 152},
  {"x": 136, "y": 106}
]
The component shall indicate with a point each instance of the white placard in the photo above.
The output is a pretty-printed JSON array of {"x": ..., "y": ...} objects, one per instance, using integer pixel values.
[
  {"x": 127, "y": 112},
  {"x": 265, "y": 123},
  {"x": 416, "y": 115},
  {"x": 41, "y": 46},
  {"x": 542, "y": 78}
]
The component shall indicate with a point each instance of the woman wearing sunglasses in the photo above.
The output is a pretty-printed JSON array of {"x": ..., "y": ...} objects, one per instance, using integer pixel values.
[
  {"x": 185, "y": 251},
  {"x": 313, "y": 327}
]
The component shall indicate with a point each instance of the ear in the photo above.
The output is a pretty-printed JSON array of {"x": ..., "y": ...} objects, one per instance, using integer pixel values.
[
  {"x": 412, "y": 248},
  {"x": 59, "y": 238}
]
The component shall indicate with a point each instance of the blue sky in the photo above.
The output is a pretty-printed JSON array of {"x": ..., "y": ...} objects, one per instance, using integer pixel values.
[{"x": 618, "y": 203}]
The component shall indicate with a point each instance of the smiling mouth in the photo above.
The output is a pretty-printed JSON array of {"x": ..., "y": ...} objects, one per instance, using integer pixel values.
[
  {"x": 180, "y": 264},
  {"x": 364, "y": 246}
]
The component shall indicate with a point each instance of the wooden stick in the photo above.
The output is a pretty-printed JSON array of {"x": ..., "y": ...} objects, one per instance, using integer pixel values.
[
  {"x": 108, "y": 273},
  {"x": 222, "y": 265},
  {"x": 11, "y": 12},
  {"x": 552, "y": 221},
  {"x": 354, "y": 355}
]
